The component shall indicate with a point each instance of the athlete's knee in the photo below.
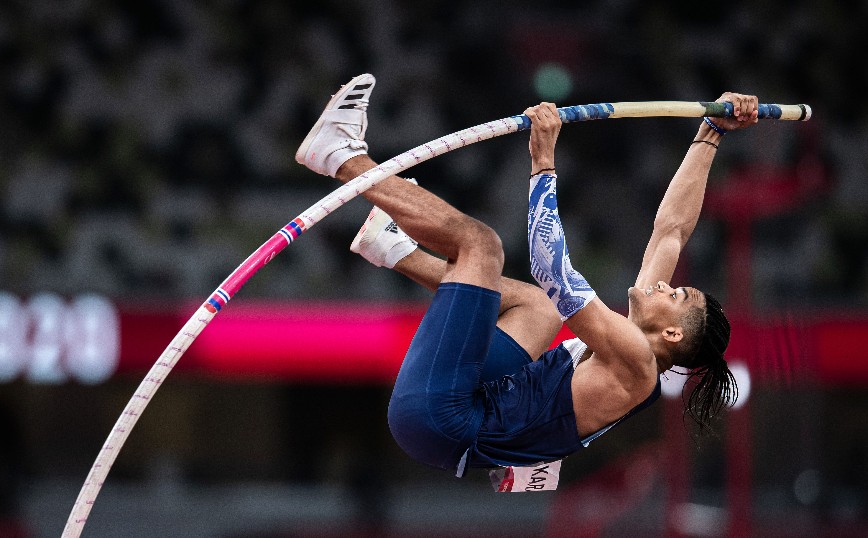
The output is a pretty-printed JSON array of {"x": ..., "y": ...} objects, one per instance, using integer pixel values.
[{"x": 481, "y": 241}]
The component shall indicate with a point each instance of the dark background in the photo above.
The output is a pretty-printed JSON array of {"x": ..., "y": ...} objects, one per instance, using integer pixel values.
[{"x": 146, "y": 150}]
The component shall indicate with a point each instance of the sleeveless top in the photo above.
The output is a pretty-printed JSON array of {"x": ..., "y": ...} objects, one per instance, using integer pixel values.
[{"x": 529, "y": 416}]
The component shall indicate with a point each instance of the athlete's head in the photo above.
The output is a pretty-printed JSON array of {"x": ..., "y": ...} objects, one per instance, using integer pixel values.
[{"x": 688, "y": 328}]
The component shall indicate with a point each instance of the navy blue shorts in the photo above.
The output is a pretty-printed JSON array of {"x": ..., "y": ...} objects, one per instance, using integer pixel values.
[{"x": 436, "y": 407}]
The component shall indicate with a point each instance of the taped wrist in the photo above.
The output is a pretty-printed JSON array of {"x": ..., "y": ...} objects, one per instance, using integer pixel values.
[{"x": 549, "y": 256}]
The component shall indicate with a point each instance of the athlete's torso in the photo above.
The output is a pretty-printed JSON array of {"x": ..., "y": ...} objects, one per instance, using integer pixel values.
[{"x": 529, "y": 416}]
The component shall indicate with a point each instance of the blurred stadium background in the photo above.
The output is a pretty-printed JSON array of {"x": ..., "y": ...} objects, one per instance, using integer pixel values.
[{"x": 147, "y": 149}]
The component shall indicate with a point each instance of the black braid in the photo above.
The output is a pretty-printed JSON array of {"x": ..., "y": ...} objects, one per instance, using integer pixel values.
[{"x": 716, "y": 385}]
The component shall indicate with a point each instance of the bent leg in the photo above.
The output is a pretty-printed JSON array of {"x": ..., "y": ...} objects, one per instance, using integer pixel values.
[
  {"x": 473, "y": 250},
  {"x": 525, "y": 313},
  {"x": 435, "y": 411}
]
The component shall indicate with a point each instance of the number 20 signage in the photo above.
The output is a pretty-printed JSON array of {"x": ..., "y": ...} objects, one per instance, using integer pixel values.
[{"x": 47, "y": 339}]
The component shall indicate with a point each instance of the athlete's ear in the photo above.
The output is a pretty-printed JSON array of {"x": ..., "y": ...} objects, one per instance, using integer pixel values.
[{"x": 673, "y": 334}]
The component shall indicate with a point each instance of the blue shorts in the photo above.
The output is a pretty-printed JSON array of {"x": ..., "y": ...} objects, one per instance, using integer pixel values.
[{"x": 437, "y": 407}]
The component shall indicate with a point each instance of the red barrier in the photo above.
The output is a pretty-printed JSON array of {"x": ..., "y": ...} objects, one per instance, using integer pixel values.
[
  {"x": 54, "y": 339},
  {"x": 365, "y": 342}
]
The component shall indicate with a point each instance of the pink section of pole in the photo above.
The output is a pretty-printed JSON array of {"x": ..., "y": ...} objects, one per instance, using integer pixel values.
[{"x": 254, "y": 263}]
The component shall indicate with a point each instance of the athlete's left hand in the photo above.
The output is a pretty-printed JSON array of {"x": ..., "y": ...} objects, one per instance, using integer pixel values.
[{"x": 744, "y": 111}]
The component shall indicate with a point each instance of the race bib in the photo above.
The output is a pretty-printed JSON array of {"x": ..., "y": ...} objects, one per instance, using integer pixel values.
[{"x": 542, "y": 477}]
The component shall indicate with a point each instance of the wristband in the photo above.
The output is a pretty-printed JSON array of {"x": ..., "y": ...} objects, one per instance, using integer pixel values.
[
  {"x": 704, "y": 142},
  {"x": 719, "y": 130},
  {"x": 541, "y": 170}
]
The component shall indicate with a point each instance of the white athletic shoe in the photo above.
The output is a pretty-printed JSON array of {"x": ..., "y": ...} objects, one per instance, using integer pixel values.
[
  {"x": 381, "y": 241},
  {"x": 339, "y": 134}
]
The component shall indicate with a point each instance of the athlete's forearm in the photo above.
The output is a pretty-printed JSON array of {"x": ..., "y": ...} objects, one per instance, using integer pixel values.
[
  {"x": 550, "y": 263},
  {"x": 679, "y": 210}
]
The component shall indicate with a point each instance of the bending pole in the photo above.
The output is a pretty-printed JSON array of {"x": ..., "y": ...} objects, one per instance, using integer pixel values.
[{"x": 315, "y": 213}]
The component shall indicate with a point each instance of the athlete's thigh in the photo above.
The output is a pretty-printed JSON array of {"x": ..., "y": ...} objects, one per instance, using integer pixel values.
[{"x": 528, "y": 317}]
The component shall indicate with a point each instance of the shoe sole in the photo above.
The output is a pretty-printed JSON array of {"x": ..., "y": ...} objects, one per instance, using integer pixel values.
[{"x": 301, "y": 154}]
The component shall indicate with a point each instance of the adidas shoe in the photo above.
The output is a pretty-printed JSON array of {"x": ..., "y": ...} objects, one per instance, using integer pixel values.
[
  {"x": 381, "y": 241},
  {"x": 339, "y": 134}
]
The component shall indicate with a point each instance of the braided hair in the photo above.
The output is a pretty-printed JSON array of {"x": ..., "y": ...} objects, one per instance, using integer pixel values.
[{"x": 715, "y": 384}]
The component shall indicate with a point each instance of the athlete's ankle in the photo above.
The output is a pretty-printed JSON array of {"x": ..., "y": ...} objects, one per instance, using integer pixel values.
[
  {"x": 409, "y": 264},
  {"x": 354, "y": 167}
]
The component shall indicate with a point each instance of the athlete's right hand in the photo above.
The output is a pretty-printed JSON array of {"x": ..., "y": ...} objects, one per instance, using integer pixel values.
[{"x": 544, "y": 130}]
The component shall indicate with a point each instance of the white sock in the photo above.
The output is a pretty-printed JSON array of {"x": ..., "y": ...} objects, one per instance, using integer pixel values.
[{"x": 381, "y": 241}]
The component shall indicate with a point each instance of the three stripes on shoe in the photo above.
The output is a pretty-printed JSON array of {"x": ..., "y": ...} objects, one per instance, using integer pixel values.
[{"x": 355, "y": 96}]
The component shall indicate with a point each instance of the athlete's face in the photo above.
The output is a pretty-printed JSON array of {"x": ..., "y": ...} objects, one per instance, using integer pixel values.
[{"x": 661, "y": 305}]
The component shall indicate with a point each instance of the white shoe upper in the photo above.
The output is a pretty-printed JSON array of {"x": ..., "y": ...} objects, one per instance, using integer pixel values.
[
  {"x": 339, "y": 134},
  {"x": 381, "y": 241}
]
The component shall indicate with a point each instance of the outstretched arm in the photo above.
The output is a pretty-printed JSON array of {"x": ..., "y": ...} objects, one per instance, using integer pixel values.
[
  {"x": 613, "y": 338},
  {"x": 679, "y": 211},
  {"x": 550, "y": 261}
]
